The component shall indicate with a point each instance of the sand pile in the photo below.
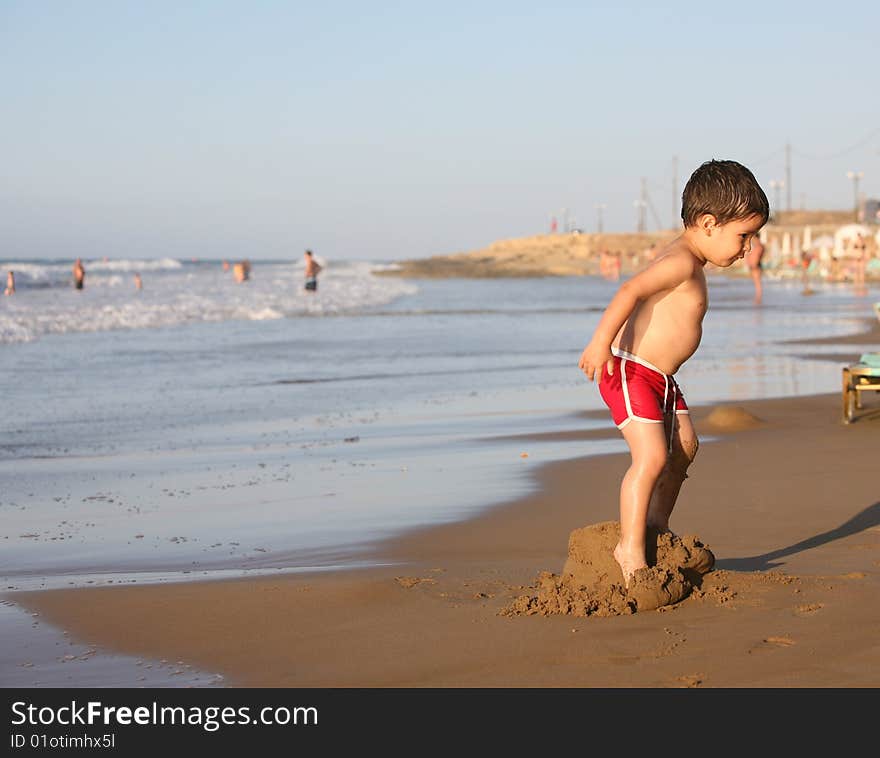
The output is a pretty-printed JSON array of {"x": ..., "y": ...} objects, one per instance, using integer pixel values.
[
  {"x": 732, "y": 419},
  {"x": 591, "y": 583}
]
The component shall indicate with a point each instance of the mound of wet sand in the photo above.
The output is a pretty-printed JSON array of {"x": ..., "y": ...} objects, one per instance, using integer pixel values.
[
  {"x": 732, "y": 419},
  {"x": 591, "y": 583}
]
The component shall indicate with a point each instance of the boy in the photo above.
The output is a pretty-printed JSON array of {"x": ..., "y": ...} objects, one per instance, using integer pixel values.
[{"x": 649, "y": 329}]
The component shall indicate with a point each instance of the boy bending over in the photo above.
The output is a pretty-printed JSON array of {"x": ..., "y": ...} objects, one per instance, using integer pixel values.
[{"x": 649, "y": 329}]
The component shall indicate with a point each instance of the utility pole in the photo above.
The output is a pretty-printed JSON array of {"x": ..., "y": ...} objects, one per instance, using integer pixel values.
[
  {"x": 599, "y": 208},
  {"x": 650, "y": 205},
  {"x": 675, "y": 213},
  {"x": 642, "y": 204},
  {"x": 788, "y": 176},
  {"x": 855, "y": 176},
  {"x": 777, "y": 185}
]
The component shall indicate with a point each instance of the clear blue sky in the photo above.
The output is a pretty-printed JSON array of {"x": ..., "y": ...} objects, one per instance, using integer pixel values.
[{"x": 389, "y": 130}]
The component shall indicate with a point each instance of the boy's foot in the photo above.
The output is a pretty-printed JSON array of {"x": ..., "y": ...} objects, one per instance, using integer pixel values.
[{"x": 628, "y": 564}]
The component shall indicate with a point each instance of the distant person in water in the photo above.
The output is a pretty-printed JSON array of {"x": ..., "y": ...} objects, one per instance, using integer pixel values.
[
  {"x": 313, "y": 268},
  {"x": 138, "y": 284},
  {"x": 242, "y": 271},
  {"x": 806, "y": 260},
  {"x": 754, "y": 260},
  {"x": 226, "y": 265},
  {"x": 860, "y": 258},
  {"x": 10, "y": 284},
  {"x": 616, "y": 262},
  {"x": 79, "y": 274}
]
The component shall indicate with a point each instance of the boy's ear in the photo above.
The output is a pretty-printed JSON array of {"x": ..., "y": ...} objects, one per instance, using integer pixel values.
[{"x": 707, "y": 222}]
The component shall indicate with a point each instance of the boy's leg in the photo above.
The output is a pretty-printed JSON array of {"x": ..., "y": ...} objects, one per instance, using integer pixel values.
[
  {"x": 648, "y": 449},
  {"x": 665, "y": 495}
]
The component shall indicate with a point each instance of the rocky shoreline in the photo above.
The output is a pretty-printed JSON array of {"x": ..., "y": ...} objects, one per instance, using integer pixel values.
[
  {"x": 540, "y": 255},
  {"x": 578, "y": 254}
]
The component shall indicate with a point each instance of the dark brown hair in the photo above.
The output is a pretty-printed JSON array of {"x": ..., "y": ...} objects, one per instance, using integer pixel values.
[{"x": 727, "y": 190}]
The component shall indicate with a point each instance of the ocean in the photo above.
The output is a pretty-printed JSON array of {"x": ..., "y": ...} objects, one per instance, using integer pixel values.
[{"x": 202, "y": 428}]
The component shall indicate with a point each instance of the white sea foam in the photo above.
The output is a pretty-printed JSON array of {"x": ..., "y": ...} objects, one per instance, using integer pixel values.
[
  {"x": 163, "y": 264},
  {"x": 177, "y": 293}
]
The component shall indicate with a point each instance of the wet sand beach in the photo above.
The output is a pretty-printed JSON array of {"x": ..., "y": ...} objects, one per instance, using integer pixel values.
[{"x": 789, "y": 504}]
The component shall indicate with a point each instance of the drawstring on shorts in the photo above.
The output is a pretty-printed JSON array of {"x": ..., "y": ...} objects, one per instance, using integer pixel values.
[{"x": 669, "y": 410}]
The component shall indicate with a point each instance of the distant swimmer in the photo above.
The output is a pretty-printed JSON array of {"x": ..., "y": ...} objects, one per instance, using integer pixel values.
[
  {"x": 313, "y": 268},
  {"x": 226, "y": 265},
  {"x": 754, "y": 258},
  {"x": 138, "y": 284},
  {"x": 10, "y": 284},
  {"x": 79, "y": 274},
  {"x": 806, "y": 260},
  {"x": 242, "y": 271},
  {"x": 860, "y": 256}
]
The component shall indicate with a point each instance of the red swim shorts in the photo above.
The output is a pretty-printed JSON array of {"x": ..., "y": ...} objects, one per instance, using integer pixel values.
[{"x": 639, "y": 390}]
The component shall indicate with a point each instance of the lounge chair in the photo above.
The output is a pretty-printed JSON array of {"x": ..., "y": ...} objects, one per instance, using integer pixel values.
[{"x": 858, "y": 378}]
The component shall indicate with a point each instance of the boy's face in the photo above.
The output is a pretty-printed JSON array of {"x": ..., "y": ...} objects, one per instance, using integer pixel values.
[{"x": 727, "y": 243}]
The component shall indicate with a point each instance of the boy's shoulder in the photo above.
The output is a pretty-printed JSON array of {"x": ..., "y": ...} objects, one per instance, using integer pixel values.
[
  {"x": 676, "y": 246},
  {"x": 677, "y": 255}
]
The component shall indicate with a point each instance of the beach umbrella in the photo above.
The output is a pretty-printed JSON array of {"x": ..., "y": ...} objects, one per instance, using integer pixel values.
[
  {"x": 825, "y": 240},
  {"x": 851, "y": 231}
]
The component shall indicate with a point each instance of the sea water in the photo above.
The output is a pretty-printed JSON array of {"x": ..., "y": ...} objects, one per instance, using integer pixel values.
[{"x": 201, "y": 427}]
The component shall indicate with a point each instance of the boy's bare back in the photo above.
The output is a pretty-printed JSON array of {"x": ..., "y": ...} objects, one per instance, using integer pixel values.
[
  {"x": 658, "y": 313},
  {"x": 666, "y": 326}
]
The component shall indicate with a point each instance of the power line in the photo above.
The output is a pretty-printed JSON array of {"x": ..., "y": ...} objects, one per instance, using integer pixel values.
[
  {"x": 863, "y": 141},
  {"x": 768, "y": 157}
]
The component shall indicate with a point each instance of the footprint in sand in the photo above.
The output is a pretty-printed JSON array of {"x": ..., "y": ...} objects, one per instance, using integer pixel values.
[
  {"x": 690, "y": 680},
  {"x": 412, "y": 581},
  {"x": 769, "y": 642}
]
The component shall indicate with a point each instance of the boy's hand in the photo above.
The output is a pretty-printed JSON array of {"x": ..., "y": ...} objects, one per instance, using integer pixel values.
[{"x": 595, "y": 358}]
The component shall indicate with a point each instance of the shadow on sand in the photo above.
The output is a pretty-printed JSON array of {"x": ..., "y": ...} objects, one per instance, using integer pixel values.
[{"x": 868, "y": 518}]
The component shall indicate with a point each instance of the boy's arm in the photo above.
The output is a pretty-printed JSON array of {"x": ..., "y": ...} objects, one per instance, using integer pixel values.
[{"x": 663, "y": 274}]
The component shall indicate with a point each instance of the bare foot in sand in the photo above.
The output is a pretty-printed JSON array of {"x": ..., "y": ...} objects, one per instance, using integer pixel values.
[{"x": 629, "y": 564}]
